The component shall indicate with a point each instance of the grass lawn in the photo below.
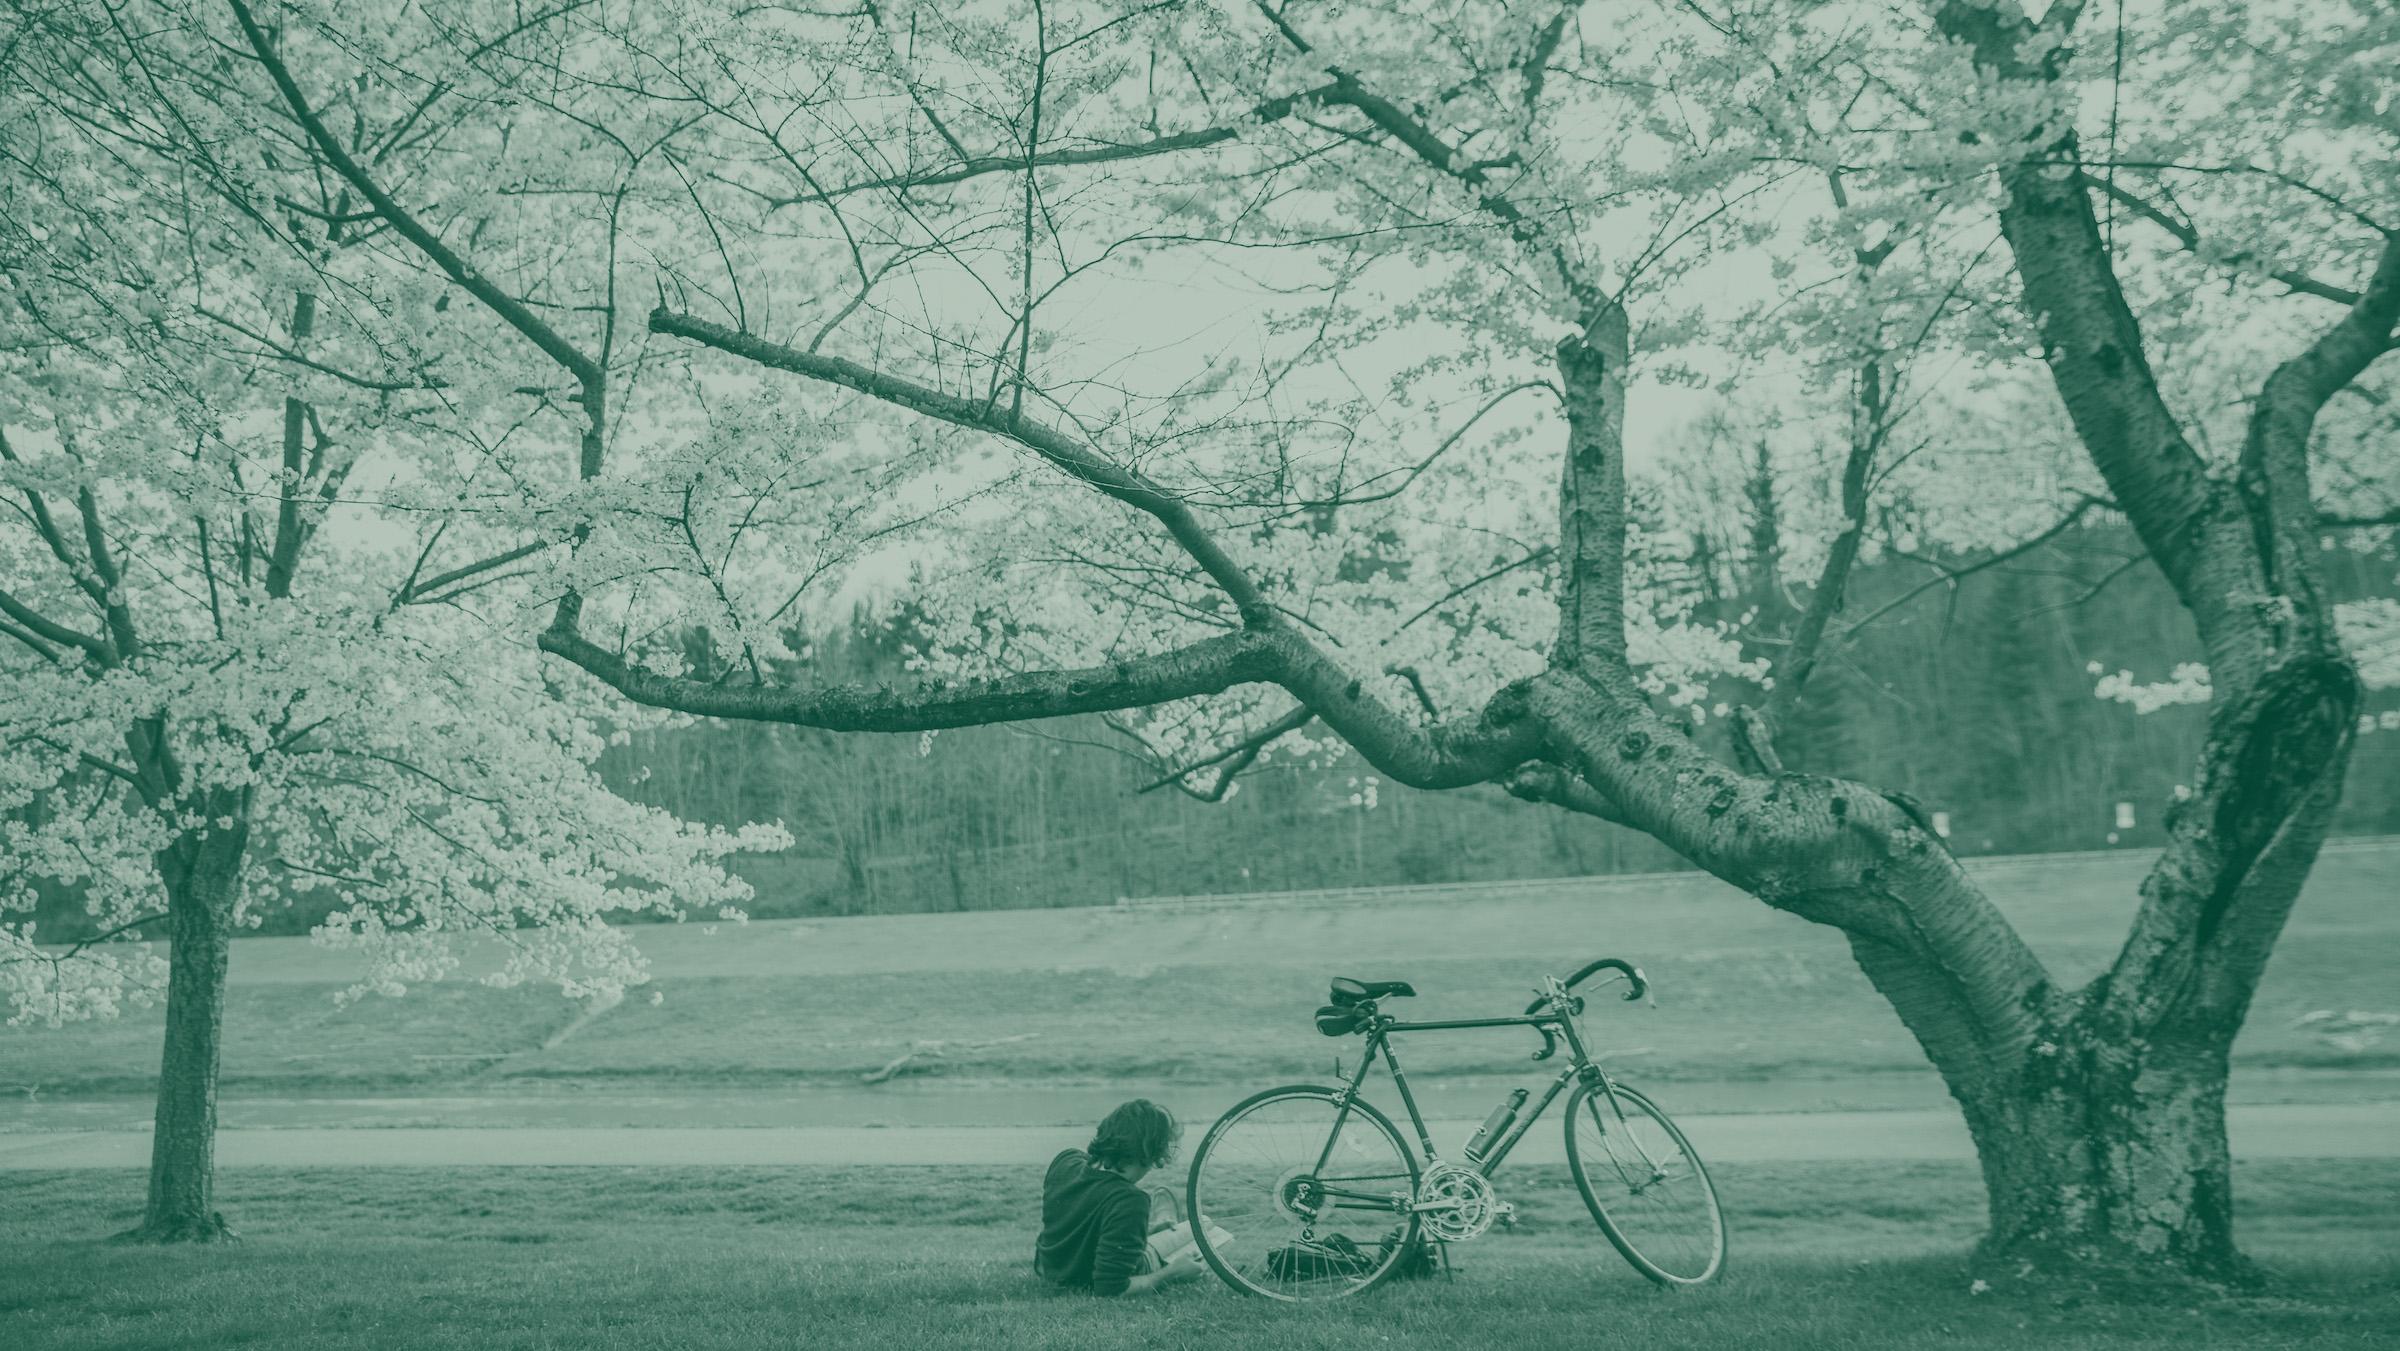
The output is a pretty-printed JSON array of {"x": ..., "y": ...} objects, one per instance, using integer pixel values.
[
  {"x": 1849, "y": 1256},
  {"x": 1215, "y": 996}
]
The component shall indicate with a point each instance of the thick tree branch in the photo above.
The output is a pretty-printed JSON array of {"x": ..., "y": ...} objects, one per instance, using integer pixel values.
[
  {"x": 1591, "y": 493},
  {"x": 2089, "y": 335},
  {"x": 2280, "y": 724},
  {"x": 2273, "y": 475},
  {"x": 1207, "y": 667},
  {"x": 1548, "y": 783},
  {"x": 114, "y": 606},
  {"x": 1470, "y": 749},
  {"x": 511, "y": 310},
  {"x": 291, "y": 528},
  {"x": 1827, "y": 850},
  {"x": 1755, "y": 729},
  {"x": 1591, "y": 364},
  {"x": 1063, "y": 452},
  {"x": 2241, "y": 555},
  {"x": 40, "y": 649},
  {"x": 2346, "y": 349}
]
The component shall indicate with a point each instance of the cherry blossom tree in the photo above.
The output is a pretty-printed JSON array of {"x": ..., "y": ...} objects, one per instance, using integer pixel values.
[
  {"x": 247, "y": 644},
  {"x": 2098, "y": 1111},
  {"x": 1260, "y": 376}
]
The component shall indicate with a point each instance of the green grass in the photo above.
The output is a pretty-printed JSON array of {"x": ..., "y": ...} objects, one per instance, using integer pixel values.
[
  {"x": 1823, "y": 1256},
  {"x": 1201, "y": 996}
]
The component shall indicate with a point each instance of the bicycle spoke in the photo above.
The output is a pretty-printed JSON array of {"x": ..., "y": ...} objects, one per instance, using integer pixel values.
[
  {"x": 1646, "y": 1188},
  {"x": 1283, "y": 1218}
]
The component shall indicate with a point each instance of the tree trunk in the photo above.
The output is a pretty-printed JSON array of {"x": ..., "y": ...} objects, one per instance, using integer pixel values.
[
  {"x": 2107, "y": 1160},
  {"x": 2098, "y": 1114},
  {"x": 203, "y": 879},
  {"x": 2104, "y": 1151}
]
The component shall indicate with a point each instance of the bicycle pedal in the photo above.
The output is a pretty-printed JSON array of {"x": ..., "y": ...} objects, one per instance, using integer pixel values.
[{"x": 1504, "y": 1215}]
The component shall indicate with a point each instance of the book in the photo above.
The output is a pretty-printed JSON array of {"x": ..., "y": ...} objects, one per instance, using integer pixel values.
[{"x": 1169, "y": 1245}]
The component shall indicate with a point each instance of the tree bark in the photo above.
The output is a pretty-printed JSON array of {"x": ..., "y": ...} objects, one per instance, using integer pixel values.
[
  {"x": 2109, "y": 1146},
  {"x": 2106, "y": 1158},
  {"x": 1591, "y": 492},
  {"x": 203, "y": 878}
]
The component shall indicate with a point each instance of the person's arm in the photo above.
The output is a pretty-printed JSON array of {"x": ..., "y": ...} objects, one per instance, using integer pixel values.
[
  {"x": 1186, "y": 1263},
  {"x": 1118, "y": 1257}
]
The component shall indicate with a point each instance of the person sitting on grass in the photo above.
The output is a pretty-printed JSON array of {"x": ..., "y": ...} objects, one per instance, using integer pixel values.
[{"x": 1095, "y": 1215}]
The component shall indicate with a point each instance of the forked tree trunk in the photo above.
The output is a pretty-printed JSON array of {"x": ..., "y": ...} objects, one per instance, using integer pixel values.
[
  {"x": 2108, "y": 1159},
  {"x": 2104, "y": 1147},
  {"x": 203, "y": 880},
  {"x": 2098, "y": 1114}
]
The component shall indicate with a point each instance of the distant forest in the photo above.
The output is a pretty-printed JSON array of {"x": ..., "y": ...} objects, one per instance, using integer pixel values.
[
  {"x": 1977, "y": 701},
  {"x": 1978, "y": 704}
]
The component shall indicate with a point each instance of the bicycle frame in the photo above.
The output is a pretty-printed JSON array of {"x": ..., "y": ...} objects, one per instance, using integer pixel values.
[
  {"x": 1446, "y": 1200},
  {"x": 1379, "y": 1032}
]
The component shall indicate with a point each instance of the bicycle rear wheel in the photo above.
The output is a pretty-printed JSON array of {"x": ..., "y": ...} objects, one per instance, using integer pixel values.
[
  {"x": 1645, "y": 1185},
  {"x": 1295, "y": 1197}
]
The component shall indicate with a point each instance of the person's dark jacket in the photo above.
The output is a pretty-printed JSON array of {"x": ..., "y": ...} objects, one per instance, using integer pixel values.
[{"x": 1094, "y": 1225}]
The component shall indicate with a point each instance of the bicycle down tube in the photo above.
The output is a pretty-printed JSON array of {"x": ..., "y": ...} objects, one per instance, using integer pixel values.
[{"x": 1379, "y": 1043}]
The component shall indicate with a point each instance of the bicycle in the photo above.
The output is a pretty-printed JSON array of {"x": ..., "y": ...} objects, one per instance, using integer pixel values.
[{"x": 1274, "y": 1173}]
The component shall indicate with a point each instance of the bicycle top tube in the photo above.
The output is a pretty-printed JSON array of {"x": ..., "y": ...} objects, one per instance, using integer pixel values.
[{"x": 1456, "y": 1024}]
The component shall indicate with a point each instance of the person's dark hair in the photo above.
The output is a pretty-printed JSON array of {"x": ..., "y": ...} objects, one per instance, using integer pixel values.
[{"x": 1139, "y": 1134}]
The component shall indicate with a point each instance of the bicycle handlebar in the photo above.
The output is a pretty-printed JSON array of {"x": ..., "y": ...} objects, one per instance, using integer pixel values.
[{"x": 1633, "y": 974}]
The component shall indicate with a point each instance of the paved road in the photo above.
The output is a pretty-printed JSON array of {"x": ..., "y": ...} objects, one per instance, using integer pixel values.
[{"x": 2351, "y": 1130}]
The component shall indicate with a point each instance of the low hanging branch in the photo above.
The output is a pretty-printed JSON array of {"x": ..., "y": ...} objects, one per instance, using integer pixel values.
[
  {"x": 1210, "y": 666},
  {"x": 1476, "y": 749}
]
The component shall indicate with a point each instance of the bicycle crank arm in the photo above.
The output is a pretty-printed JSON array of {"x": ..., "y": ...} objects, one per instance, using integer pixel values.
[{"x": 1502, "y": 1211}]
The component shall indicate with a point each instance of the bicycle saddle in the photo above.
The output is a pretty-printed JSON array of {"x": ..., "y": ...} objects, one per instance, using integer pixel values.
[{"x": 1347, "y": 991}]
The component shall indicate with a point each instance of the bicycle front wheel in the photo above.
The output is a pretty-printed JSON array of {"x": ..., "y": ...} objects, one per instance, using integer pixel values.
[
  {"x": 1295, "y": 1196},
  {"x": 1645, "y": 1185}
]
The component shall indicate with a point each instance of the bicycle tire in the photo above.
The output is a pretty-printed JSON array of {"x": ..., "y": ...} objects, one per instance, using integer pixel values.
[
  {"x": 1681, "y": 1269},
  {"x": 1231, "y": 1267}
]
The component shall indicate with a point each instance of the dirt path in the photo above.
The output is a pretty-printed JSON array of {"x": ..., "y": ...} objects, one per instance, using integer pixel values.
[{"x": 2357, "y": 1130}]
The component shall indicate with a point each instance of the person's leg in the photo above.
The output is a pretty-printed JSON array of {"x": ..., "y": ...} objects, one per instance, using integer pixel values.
[{"x": 1166, "y": 1208}]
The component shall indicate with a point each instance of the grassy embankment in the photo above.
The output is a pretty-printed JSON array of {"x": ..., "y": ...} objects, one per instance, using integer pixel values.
[{"x": 1208, "y": 996}]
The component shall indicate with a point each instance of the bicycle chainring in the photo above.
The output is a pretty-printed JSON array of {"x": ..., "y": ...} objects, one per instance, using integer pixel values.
[{"x": 1455, "y": 1203}]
